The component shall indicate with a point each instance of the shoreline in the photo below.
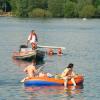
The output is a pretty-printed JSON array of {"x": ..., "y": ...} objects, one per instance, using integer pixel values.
[
  {"x": 5, "y": 14},
  {"x": 9, "y": 14}
]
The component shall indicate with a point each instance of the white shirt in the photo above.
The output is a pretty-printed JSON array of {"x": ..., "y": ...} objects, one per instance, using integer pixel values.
[{"x": 33, "y": 39}]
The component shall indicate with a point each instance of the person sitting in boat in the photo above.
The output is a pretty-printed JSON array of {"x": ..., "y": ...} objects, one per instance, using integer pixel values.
[
  {"x": 32, "y": 38},
  {"x": 30, "y": 70},
  {"x": 67, "y": 74}
]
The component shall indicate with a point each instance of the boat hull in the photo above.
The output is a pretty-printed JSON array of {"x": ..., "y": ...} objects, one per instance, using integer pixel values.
[
  {"x": 46, "y": 81},
  {"x": 29, "y": 55}
]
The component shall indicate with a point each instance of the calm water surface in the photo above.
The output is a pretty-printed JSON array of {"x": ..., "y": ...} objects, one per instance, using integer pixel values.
[{"x": 82, "y": 42}]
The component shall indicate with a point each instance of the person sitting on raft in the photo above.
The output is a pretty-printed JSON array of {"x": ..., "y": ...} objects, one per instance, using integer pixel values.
[
  {"x": 67, "y": 74},
  {"x": 30, "y": 70}
]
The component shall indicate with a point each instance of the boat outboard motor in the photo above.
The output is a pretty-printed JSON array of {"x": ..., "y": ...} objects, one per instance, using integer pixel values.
[{"x": 22, "y": 46}]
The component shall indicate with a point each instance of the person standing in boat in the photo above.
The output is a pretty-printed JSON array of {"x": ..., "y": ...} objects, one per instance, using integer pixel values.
[
  {"x": 68, "y": 74},
  {"x": 32, "y": 38}
]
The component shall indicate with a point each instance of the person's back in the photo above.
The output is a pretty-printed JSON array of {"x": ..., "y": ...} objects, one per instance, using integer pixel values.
[{"x": 30, "y": 70}]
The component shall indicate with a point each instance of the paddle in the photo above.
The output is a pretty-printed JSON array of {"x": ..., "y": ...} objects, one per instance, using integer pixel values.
[{"x": 39, "y": 69}]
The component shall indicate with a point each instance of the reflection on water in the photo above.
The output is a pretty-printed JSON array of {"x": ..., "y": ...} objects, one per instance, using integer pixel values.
[
  {"x": 22, "y": 63},
  {"x": 55, "y": 91}
]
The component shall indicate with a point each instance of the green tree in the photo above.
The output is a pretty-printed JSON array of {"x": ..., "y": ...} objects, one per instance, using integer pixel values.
[
  {"x": 56, "y": 7},
  {"x": 85, "y": 1},
  {"x": 30, "y": 5},
  {"x": 97, "y": 2},
  {"x": 21, "y": 6},
  {"x": 40, "y": 4},
  {"x": 13, "y": 5},
  {"x": 88, "y": 11},
  {"x": 1, "y": 2},
  {"x": 98, "y": 11},
  {"x": 38, "y": 12},
  {"x": 33, "y": 4},
  {"x": 5, "y": 5},
  {"x": 82, "y": 3},
  {"x": 70, "y": 9}
]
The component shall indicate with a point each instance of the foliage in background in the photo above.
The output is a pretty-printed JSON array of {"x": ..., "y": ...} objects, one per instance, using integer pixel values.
[
  {"x": 52, "y": 8},
  {"x": 56, "y": 7},
  {"x": 71, "y": 9},
  {"x": 38, "y": 12},
  {"x": 87, "y": 11}
]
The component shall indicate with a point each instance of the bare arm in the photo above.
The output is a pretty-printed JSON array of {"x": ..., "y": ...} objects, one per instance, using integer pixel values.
[
  {"x": 28, "y": 38},
  {"x": 25, "y": 70},
  {"x": 64, "y": 73}
]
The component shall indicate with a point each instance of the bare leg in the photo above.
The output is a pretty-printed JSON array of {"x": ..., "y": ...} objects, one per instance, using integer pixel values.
[
  {"x": 24, "y": 79},
  {"x": 73, "y": 81},
  {"x": 65, "y": 82}
]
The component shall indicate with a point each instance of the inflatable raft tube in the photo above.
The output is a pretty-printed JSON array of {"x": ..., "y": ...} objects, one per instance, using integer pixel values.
[{"x": 46, "y": 81}]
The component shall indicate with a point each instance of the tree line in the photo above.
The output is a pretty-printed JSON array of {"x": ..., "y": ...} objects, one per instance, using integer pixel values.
[{"x": 52, "y": 8}]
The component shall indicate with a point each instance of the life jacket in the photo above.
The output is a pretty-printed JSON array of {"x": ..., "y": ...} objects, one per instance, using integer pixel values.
[{"x": 36, "y": 39}]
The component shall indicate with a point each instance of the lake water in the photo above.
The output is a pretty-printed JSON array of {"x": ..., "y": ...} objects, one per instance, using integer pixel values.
[{"x": 82, "y": 41}]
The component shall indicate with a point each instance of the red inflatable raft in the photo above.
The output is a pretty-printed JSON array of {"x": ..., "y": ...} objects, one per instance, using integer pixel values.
[{"x": 47, "y": 81}]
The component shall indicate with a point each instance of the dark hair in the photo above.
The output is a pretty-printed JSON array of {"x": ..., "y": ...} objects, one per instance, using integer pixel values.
[
  {"x": 70, "y": 65},
  {"x": 33, "y": 30}
]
